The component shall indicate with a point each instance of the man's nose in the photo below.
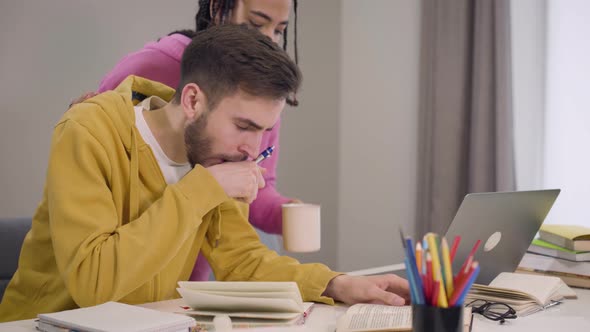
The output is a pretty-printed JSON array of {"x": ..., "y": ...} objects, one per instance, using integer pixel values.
[{"x": 251, "y": 147}]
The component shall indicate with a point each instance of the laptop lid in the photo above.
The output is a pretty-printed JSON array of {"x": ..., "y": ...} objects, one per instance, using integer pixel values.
[{"x": 505, "y": 222}]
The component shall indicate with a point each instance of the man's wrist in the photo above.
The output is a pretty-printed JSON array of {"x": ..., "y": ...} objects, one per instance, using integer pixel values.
[{"x": 333, "y": 286}]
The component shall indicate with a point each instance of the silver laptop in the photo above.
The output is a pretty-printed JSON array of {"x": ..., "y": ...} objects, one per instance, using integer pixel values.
[{"x": 505, "y": 222}]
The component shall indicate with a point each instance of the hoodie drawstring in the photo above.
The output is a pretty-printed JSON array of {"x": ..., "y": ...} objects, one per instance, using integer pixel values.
[
  {"x": 214, "y": 232},
  {"x": 133, "y": 179},
  {"x": 218, "y": 219}
]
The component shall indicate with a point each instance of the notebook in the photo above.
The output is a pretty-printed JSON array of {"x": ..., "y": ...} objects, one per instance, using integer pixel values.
[
  {"x": 505, "y": 222},
  {"x": 115, "y": 317},
  {"x": 526, "y": 294},
  {"x": 248, "y": 304}
]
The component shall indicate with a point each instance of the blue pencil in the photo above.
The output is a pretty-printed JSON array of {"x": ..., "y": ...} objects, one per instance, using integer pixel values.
[
  {"x": 413, "y": 290},
  {"x": 414, "y": 271},
  {"x": 470, "y": 282}
]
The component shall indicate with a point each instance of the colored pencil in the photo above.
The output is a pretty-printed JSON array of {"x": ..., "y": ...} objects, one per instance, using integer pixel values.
[
  {"x": 447, "y": 268},
  {"x": 419, "y": 261},
  {"x": 455, "y": 246},
  {"x": 459, "y": 296}
]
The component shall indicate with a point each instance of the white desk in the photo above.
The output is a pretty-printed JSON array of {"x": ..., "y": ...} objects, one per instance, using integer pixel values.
[{"x": 571, "y": 316}]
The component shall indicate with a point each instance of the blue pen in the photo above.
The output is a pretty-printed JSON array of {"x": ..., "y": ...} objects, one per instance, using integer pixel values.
[{"x": 265, "y": 154}]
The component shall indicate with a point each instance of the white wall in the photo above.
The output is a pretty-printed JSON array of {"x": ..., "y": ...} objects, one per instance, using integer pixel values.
[
  {"x": 308, "y": 167},
  {"x": 378, "y": 130},
  {"x": 351, "y": 144},
  {"x": 52, "y": 52}
]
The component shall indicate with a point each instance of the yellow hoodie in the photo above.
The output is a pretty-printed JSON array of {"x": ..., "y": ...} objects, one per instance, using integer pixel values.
[{"x": 109, "y": 228}]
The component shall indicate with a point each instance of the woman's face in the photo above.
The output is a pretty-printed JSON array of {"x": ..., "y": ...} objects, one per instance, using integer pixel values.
[{"x": 270, "y": 17}]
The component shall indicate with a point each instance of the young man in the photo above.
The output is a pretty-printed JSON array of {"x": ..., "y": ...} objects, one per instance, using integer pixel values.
[
  {"x": 160, "y": 61},
  {"x": 134, "y": 193}
]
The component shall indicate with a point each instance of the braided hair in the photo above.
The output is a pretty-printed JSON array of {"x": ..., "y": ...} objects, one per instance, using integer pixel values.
[{"x": 223, "y": 9}]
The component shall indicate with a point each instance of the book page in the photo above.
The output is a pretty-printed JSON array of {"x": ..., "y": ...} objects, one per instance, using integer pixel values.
[
  {"x": 265, "y": 295},
  {"x": 567, "y": 292},
  {"x": 210, "y": 302},
  {"x": 241, "y": 286},
  {"x": 249, "y": 314},
  {"x": 542, "y": 289},
  {"x": 375, "y": 317}
]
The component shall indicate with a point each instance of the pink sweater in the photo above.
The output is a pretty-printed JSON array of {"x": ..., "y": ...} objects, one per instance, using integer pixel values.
[{"x": 160, "y": 61}]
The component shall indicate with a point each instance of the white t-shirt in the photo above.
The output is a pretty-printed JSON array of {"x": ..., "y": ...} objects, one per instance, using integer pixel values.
[{"x": 171, "y": 170}]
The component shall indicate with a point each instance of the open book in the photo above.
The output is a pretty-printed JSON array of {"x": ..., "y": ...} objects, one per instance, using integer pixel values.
[
  {"x": 524, "y": 293},
  {"x": 113, "y": 317},
  {"x": 248, "y": 304},
  {"x": 380, "y": 318}
]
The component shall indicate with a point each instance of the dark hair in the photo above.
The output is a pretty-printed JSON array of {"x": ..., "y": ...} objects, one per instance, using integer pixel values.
[
  {"x": 225, "y": 58},
  {"x": 186, "y": 32},
  {"x": 224, "y": 8}
]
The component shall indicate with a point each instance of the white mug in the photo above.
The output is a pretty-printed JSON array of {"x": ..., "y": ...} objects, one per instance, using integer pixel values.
[{"x": 301, "y": 227}]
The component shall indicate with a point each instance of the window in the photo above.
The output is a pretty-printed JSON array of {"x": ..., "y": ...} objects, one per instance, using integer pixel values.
[{"x": 551, "y": 75}]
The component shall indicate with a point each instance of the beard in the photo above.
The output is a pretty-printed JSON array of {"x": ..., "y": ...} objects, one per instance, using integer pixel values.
[{"x": 199, "y": 145}]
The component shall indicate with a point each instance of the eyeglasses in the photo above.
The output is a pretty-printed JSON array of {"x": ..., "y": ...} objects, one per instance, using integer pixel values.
[{"x": 495, "y": 311}]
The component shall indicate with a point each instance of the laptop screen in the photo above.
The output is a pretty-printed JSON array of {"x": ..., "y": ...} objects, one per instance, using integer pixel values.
[{"x": 505, "y": 222}]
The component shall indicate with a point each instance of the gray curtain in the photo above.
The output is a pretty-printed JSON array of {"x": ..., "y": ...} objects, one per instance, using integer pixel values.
[{"x": 465, "y": 123}]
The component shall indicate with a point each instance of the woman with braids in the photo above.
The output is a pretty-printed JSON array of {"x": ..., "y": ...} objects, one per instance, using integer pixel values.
[{"x": 160, "y": 61}]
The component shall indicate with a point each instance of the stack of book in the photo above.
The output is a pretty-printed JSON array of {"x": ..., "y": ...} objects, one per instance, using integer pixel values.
[{"x": 562, "y": 251}]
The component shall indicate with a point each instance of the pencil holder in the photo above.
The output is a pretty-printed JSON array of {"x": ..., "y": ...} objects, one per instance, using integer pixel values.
[{"x": 436, "y": 319}]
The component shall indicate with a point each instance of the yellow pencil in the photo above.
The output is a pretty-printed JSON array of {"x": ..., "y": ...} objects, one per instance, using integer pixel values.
[
  {"x": 433, "y": 252},
  {"x": 436, "y": 269},
  {"x": 447, "y": 268},
  {"x": 442, "y": 297}
]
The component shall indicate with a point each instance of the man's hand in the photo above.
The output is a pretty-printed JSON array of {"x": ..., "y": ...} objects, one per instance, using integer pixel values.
[
  {"x": 82, "y": 98},
  {"x": 240, "y": 180},
  {"x": 382, "y": 289}
]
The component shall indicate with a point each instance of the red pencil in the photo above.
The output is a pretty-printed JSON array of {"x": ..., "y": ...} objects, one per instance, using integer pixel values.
[
  {"x": 435, "y": 292},
  {"x": 467, "y": 264},
  {"x": 425, "y": 284},
  {"x": 454, "y": 247},
  {"x": 430, "y": 281},
  {"x": 463, "y": 283}
]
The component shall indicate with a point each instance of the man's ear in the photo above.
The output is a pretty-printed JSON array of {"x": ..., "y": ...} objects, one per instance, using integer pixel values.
[{"x": 193, "y": 101}]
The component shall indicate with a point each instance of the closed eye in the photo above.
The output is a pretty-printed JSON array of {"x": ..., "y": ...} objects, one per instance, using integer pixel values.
[
  {"x": 255, "y": 25},
  {"x": 243, "y": 124},
  {"x": 244, "y": 128}
]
